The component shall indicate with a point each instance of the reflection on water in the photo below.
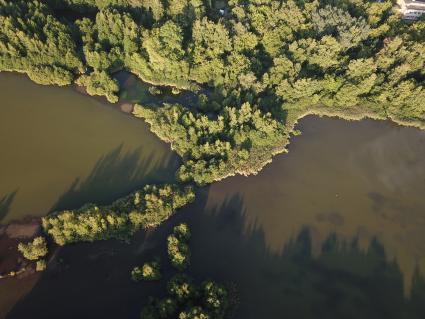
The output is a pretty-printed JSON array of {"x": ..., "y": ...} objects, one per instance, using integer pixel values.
[
  {"x": 326, "y": 231},
  {"x": 61, "y": 149},
  {"x": 339, "y": 280},
  {"x": 361, "y": 180}
]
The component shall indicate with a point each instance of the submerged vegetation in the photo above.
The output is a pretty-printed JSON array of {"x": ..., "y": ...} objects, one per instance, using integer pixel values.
[
  {"x": 142, "y": 209},
  {"x": 185, "y": 300},
  {"x": 257, "y": 66},
  {"x": 35, "y": 249}
]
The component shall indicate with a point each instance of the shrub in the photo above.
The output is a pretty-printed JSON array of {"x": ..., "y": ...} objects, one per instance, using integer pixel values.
[
  {"x": 177, "y": 247},
  {"x": 149, "y": 271},
  {"x": 35, "y": 249},
  {"x": 40, "y": 265}
]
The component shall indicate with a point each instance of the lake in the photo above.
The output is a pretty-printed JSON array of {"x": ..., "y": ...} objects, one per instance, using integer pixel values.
[
  {"x": 62, "y": 149},
  {"x": 333, "y": 229}
]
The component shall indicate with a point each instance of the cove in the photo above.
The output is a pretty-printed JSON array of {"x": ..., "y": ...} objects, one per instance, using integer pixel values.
[
  {"x": 333, "y": 229},
  {"x": 62, "y": 149}
]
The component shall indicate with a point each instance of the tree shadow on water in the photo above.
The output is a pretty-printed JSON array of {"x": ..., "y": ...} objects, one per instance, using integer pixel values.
[
  {"x": 5, "y": 203},
  {"x": 342, "y": 281},
  {"x": 116, "y": 174}
]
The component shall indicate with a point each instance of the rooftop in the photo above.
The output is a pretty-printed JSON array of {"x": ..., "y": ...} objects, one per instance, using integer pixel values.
[{"x": 418, "y": 2}]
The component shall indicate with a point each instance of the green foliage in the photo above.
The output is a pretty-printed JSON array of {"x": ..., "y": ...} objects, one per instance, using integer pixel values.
[
  {"x": 100, "y": 83},
  {"x": 215, "y": 298},
  {"x": 214, "y": 148},
  {"x": 34, "y": 41},
  {"x": 150, "y": 271},
  {"x": 178, "y": 248},
  {"x": 185, "y": 300},
  {"x": 35, "y": 249},
  {"x": 142, "y": 209},
  {"x": 182, "y": 232},
  {"x": 40, "y": 265},
  {"x": 181, "y": 288}
]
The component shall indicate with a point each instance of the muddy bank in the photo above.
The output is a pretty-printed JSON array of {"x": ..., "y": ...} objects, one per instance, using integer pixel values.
[{"x": 12, "y": 263}]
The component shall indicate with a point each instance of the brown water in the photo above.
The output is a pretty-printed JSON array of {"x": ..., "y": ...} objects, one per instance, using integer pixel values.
[
  {"x": 334, "y": 229},
  {"x": 61, "y": 149}
]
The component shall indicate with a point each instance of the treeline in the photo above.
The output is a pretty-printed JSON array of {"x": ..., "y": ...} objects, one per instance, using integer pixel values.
[
  {"x": 267, "y": 62},
  {"x": 35, "y": 250},
  {"x": 144, "y": 208}
]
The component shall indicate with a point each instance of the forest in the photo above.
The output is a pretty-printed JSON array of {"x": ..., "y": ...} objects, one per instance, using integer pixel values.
[{"x": 256, "y": 65}]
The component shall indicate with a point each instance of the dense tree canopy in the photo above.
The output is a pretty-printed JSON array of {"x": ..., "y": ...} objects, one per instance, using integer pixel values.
[
  {"x": 144, "y": 208},
  {"x": 257, "y": 66}
]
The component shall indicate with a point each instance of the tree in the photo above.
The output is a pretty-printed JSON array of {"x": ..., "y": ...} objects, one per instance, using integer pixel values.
[
  {"x": 178, "y": 248},
  {"x": 35, "y": 249},
  {"x": 149, "y": 271}
]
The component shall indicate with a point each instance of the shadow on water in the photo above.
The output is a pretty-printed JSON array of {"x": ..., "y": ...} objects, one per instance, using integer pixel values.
[
  {"x": 341, "y": 281},
  {"x": 117, "y": 171},
  {"x": 5, "y": 203}
]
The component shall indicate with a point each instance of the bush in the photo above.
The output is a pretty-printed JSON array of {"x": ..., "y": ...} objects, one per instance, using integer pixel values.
[
  {"x": 40, "y": 265},
  {"x": 177, "y": 247},
  {"x": 181, "y": 288},
  {"x": 150, "y": 271},
  {"x": 154, "y": 90},
  {"x": 100, "y": 83},
  {"x": 35, "y": 249},
  {"x": 182, "y": 232}
]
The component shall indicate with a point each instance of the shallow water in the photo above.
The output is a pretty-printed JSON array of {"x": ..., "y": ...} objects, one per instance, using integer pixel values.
[
  {"x": 333, "y": 229},
  {"x": 61, "y": 149}
]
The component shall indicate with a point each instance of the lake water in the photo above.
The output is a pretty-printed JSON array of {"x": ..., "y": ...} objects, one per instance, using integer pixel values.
[
  {"x": 333, "y": 229},
  {"x": 61, "y": 149}
]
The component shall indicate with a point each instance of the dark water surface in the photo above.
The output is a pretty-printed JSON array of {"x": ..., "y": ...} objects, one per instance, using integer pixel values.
[
  {"x": 61, "y": 149},
  {"x": 334, "y": 229}
]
